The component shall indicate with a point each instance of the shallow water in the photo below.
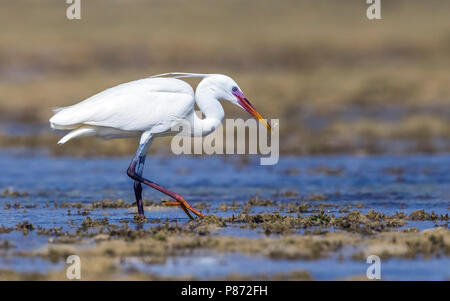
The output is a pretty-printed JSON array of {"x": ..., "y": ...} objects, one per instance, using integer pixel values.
[
  {"x": 385, "y": 183},
  {"x": 220, "y": 265}
]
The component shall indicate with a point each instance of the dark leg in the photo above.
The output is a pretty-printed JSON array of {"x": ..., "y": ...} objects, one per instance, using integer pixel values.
[
  {"x": 135, "y": 172},
  {"x": 138, "y": 194},
  {"x": 138, "y": 186}
]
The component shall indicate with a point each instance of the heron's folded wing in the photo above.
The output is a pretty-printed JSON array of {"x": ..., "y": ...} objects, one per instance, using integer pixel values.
[{"x": 135, "y": 106}]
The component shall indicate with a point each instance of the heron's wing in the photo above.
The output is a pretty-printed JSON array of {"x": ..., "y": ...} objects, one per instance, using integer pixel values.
[{"x": 157, "y": 103}]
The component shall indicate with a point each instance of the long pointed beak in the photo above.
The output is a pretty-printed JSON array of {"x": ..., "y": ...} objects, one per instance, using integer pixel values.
[{"x": 245, "y": 103}]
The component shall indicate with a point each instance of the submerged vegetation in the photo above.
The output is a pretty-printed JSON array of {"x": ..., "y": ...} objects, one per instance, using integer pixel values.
[{"x": 350, "y": 234}]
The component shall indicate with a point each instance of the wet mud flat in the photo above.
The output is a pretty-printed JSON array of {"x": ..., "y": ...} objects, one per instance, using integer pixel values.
[{"x": 314, "y": 218}]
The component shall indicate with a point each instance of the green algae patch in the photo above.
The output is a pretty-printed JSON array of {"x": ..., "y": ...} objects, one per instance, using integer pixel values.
[
  {"x": 421, "y": 215},
  {"x": 276, "y": 223}
]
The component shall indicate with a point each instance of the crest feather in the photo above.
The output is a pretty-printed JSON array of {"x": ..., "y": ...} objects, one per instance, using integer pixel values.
[{"x": 181, "y": 75}]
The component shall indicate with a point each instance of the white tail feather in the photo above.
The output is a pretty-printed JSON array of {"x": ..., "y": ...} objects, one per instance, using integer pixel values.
[{"x": 83, "y": 131}]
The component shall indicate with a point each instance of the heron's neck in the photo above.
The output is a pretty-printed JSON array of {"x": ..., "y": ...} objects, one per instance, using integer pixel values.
[{"x": 209, "y": 105}]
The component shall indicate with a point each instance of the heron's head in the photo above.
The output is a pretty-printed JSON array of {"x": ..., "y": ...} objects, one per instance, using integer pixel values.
[{"x": 228, "y": 89}]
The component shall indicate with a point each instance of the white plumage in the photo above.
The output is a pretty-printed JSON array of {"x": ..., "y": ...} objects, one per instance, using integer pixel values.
[
  {"x": 128, "y": 109},
  {"x": 152, "y": 105}
]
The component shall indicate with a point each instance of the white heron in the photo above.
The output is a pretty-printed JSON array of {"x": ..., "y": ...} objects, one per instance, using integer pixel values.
[{"x": 149, "y": 108}]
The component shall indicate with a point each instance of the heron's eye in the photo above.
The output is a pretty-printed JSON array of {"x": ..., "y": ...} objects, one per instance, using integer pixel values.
[{"x": 234, "y": 89}]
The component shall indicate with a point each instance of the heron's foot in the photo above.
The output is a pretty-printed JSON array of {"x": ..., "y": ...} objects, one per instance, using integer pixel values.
[
  {"x": 185, "y": 206},
  {"x": 140, "y": 218}
]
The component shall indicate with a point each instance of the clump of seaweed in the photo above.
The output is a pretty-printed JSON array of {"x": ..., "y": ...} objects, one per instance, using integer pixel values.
[
  {"x": 25, "y": 227},
  {"x": 256, "y": 201},
  {"x": 4, "y": 229},
  {"x": 421, "y": 215},
  {"x": 294, "y": 207},
  {"x": 9, "y": 192},
  {"x": 55, "y": 231},
  {"x": 89, "y": 223},
  {"x": 104, "y": 204}
]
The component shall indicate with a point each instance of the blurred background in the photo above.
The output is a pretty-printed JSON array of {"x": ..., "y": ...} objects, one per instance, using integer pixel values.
[{"x": 338, "y": 82}]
